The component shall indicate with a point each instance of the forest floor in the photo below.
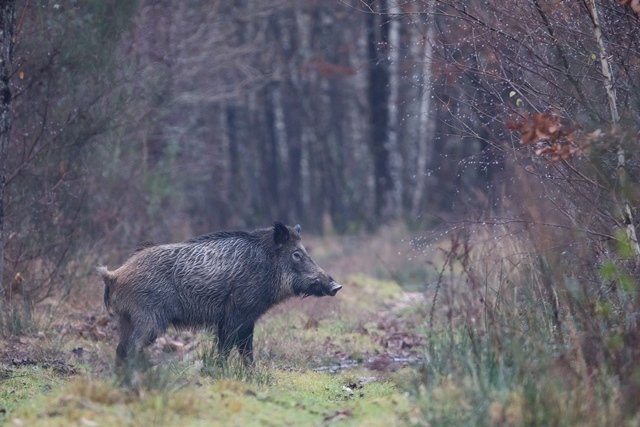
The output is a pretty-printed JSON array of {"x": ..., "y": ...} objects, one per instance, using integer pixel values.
[{"x": 349, "y": 360}]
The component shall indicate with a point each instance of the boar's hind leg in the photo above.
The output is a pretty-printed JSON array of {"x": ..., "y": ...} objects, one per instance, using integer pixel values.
[{"x": 245, "y": 344}]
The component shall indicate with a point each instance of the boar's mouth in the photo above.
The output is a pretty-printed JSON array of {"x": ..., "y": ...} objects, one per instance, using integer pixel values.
[{"x": 319, "y": 289}]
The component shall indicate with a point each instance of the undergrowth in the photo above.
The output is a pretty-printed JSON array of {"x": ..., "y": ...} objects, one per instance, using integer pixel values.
[{"x": 517, "y": 339}]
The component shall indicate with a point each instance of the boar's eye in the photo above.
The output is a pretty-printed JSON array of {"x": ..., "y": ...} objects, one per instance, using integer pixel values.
[{"x": 297, "y": 256}]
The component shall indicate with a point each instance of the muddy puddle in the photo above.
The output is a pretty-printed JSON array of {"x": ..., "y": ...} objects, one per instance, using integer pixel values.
[{"x": 376, "y": 363}]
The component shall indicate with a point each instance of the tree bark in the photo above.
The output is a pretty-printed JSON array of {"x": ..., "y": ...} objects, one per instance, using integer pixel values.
[
  {"x": 270, "y": 196},
  {"x": 7, "y": 25},
  {"x": 378, "y": 97},
  {"x": 294, "y": 117},
  {"x": 396, "y": 159},
  {"x": 607, "y": 73},
  {"x": 424, "y": 115}
]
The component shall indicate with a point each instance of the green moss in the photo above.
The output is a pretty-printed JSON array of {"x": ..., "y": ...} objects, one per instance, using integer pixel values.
[
  {"x": 345, "y": 328},
  {"x": 18, "y": 386},
  {"x": 294, "y": 398}
]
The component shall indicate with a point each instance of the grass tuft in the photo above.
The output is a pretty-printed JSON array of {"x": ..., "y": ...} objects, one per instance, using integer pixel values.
[{"x": 17, "y": 318}]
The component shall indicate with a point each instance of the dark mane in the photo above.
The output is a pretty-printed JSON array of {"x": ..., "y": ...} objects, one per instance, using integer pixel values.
[
  {"x": 143, "y": 245},
  {"x": 263, "y": 235},
  {"x": 219, "y": 235}
]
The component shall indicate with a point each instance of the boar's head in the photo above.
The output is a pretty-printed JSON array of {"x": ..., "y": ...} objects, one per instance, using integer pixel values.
[{"x": 301, "y": 272}]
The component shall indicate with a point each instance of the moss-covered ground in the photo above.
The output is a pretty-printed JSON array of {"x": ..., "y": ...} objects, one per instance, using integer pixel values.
[{"x": 290, "y": 398}]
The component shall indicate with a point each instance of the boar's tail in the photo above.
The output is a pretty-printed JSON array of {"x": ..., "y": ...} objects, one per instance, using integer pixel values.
[{"x": 109, "y": 280}]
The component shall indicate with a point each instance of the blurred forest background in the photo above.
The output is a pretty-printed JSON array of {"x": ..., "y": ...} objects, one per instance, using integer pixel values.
[{"x": 155, "y": 120}]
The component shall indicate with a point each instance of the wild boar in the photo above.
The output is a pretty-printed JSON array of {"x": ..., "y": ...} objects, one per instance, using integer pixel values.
[{"x": 223, "y": 281}]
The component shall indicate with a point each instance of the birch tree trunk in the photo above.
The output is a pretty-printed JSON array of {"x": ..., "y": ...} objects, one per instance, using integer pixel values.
[
  {"x": 7, "y": 21},
  {"x": 607, "y": 73},
  {"x": 396, "y": 165},
  {"x": 424, "y": 113}
]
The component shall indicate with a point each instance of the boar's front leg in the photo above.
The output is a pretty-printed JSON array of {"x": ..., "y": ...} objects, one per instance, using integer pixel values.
[
  {"x": 122, "y": 351},
  {"x": 225, "y": 342},
  {"x": 230, "y": 335},
  {"x": 245, "y": 344},
  {"x": 136, "y": 333}
]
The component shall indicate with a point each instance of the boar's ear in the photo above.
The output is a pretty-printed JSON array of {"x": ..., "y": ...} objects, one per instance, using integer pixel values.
[
  {"x": 280, "y": 233},
  {"x": 298, "y": 228}
]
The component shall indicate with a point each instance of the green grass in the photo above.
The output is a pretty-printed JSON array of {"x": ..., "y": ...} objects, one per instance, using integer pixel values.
[
  {"x": 292, "y": 398},
  {"x": 21, "y": 385},
  {"x": 327, "y": 330},
  {"x": 482, "y": 382}
]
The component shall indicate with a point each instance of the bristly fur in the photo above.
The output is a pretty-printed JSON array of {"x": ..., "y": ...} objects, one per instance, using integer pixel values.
[
  {"x": 143, "y": 245},
  {"x": 222, "y": 280}
]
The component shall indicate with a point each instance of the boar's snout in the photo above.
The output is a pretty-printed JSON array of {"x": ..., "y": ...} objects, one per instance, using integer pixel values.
[
  {"x": 321, "y": 287},
  {"x": 334, "y": 288}
]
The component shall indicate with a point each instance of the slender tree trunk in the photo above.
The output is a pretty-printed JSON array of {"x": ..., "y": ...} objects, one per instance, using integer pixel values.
[
  {"x": 604, "y": 62},
  {"x": 7, "y": 22},
  {"x": 577, "y": 85},
  {"x": 270, "y": 160},
  {"x": 607, "y": 73},
  {"x": 234, "y": 184},
  {"x": 340, "y": 211},
  {"x": 281, "y": 153},
  {"x": 424, "y": 115},
  {"x": 396, "y": 159},
  {"x": 378, "y": 97}
]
